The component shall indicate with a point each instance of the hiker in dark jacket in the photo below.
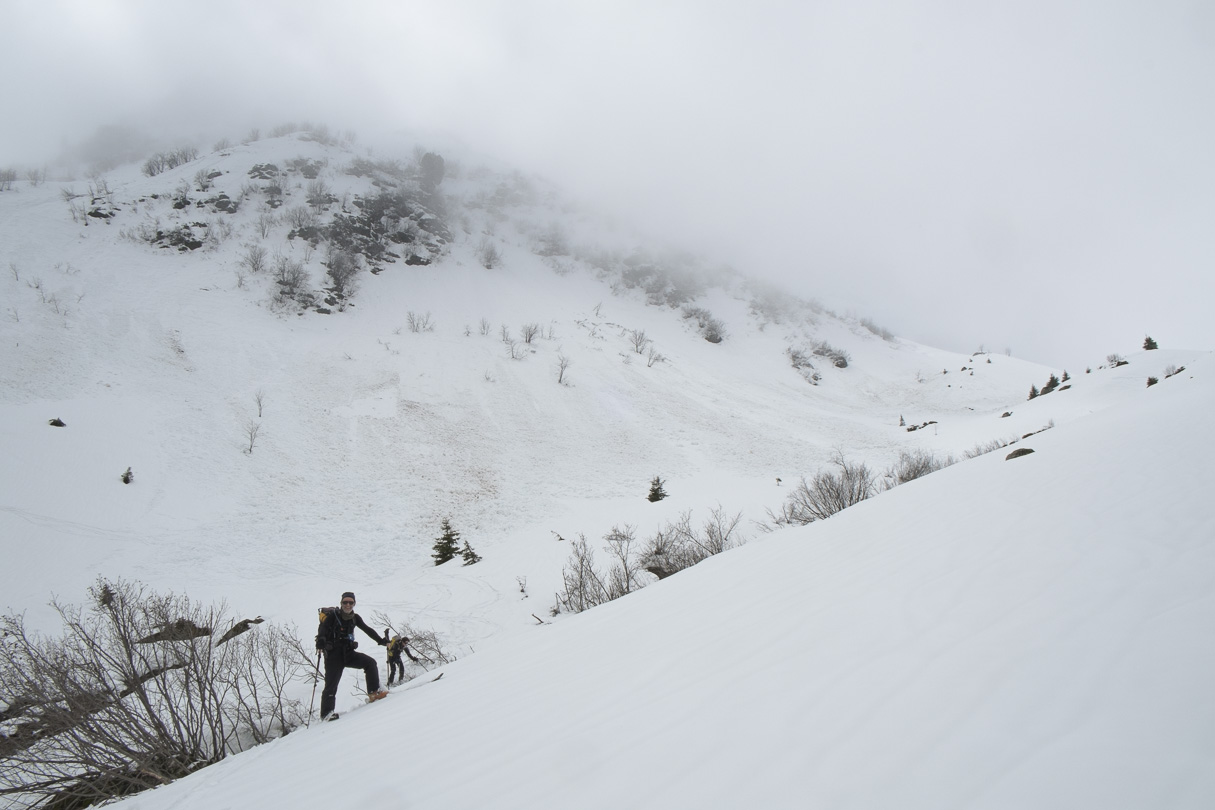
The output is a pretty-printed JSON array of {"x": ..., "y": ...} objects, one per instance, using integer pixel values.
[{"x": 335, "y": 638}]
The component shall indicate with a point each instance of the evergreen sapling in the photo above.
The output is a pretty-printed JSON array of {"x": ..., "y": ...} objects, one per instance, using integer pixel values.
[{"x": 446, "y": 545}]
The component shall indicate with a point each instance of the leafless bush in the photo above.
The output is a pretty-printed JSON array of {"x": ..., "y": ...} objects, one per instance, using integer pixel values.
[
  {"x": 487, "y": 253},
  {"x": 343, "y": 269},
  {"x": 983, "y": 448},
  {"x": 254, "y": 259},
  {"x": 529, "y": 331},
  {"x": 265, "y": 224},
  {"x": 290, "y": 277},
  {"x": 7, "y": 178},
  {"x": 585, "y": 585},
  {"x": 711, "y": 329},
  {"x": 838, "y": 357},
  {"x": 638, "y": 340},
  {"x": 202, "y": 179},
  {"x": 804, "y": 366},
  {"x": 826, "y": 493},
  {"x": 678, "y": 545},
  {"x": 218, "y": 231},
  {"x": 913, "y": 464},
  {"x": 163, "y": 161},
  {"x": 318, "y": 194},
  {"x": 1115, "y": 359},
  {"x": 419, "y": 323},
  {"x": 884, "y": 334},
  {"x": 252, "y": 428},
  {"x": 653, "y": 357},
  {"x": 221, "y": 145},
  {"x": 484, "y": 326},
  {"x": 563, "y": 364},
  {"x": 300, "y": 217},
  {"x": 136, "y": 693}
]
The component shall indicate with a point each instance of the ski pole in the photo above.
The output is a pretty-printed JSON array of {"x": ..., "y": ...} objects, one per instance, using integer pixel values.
[{"x": 315, "y": 678}]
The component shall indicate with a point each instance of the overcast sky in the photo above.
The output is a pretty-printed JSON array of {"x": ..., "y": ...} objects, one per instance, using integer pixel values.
[{"x": 1036, "y": 174}]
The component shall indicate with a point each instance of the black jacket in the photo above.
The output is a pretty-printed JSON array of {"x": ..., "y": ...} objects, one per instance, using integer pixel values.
[{"x": 336, "y": 632}]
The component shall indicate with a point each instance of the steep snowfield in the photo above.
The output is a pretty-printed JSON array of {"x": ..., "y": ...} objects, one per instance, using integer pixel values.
[
  {"x": 1022, "y": 633},
  {"x": 1025, "y": 633}
]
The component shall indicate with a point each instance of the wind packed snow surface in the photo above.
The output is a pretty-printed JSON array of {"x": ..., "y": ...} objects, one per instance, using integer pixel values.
[{"x": 1032, "y": 632}]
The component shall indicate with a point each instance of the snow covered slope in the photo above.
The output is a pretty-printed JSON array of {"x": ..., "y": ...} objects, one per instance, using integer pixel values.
[
  {"x": 1000, "y": 634},
  {"x": 370, "y": 433}
]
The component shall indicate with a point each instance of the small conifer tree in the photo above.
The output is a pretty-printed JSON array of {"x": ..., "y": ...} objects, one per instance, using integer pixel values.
[
  {"x": 469, "y": 555},
  {"x": 1033, "y": 392},
  {"x": 1148, "y": 343},
  {"x": 447, "y": 545},
  {"x": 657, "y": 493}
]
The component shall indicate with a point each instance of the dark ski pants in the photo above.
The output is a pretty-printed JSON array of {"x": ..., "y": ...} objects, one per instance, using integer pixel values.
[
  {"x": 336, "y": 662},
  {"x": 396, "y": 669}
]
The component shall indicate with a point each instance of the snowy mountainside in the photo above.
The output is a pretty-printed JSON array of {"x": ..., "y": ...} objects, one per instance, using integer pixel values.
[
  {"x": 1025, "y": 633},
  {"x": 370, "y": 433}
]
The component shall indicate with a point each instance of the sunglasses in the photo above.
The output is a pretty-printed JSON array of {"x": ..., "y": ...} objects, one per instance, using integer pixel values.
[{"x": 347, "y": 601}]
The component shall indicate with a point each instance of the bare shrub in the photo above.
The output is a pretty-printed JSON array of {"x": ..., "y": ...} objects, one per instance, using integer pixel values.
[
  {"x": 585, "y": 585},
  {"x": 252, "y": 428},
  {"x": 653, "y": 357},
  {"x": 254, "y": 259},
  {"x": 803, "y": 365},
  {"x": 137, "y": 693},
  {"x": 884, "y": 334},
  {"x": 418, "y": 323},
  {"x": 678, "y": 545},
  {"x": 163, "y": 161},
  {"x": 300, "y": 217},
  {"x": 638, "y": 340},
  {"x": 529, "y": 331},
  {"x": 202, "y": 179},
  {"x": 913, "y": 464},
  {"x": 711, "y": 329},
  {"x": 290, "y": 277},
  {"x": 838, "y": 357},
  {"x": 483, "y": 327},
  {"x": 343, "y": 269},
  {"x": 563, "y": 364},
  {"x": 487, "y": 253},
  {"x": 265, "y": 224},
  {"x": 318, "y": 195},
  {"x": 982, "y": 448},
  {"x": 826, "y": 493}
]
